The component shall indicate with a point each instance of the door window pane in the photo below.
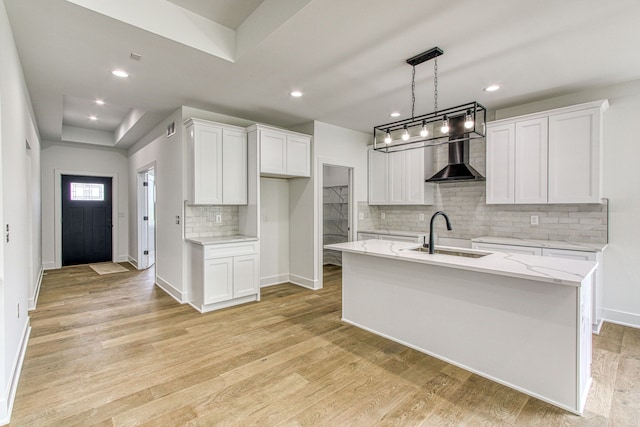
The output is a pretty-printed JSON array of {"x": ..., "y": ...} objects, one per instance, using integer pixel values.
[{"x": 87, "y": 191}]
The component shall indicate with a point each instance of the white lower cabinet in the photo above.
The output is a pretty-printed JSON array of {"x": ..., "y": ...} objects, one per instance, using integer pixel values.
[
  {"x": 512, "y": 249},
  {"x": 223, "y": 275},
  {"x": 596, "y": 297}
]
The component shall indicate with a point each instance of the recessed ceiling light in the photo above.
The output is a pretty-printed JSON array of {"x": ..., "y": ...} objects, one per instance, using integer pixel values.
[
  {"x": 296, "y": 94},
  {"x": 120, "y": 73},
  {"x": 394, "y": 114},
  {"x": 93, "y": 118},
  {"x": 99, "y": 102},
  {"x": 492, "y": 88}
]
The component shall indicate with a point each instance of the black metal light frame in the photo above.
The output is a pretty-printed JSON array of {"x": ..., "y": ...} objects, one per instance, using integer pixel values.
[{"x": 433, "y": 121}]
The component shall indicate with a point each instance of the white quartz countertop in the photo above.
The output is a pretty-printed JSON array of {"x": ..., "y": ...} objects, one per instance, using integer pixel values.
[
  {"x": 543, "y": 269},
  {"x": 220, "y": 239},
  {"x": 551, "y": 244},
  {"x": 395, "y": 232}
]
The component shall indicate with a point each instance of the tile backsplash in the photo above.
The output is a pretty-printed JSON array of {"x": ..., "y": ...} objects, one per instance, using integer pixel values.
[
  {"x": 464, "y": 203},
  {"x": 200, "y": 221}
]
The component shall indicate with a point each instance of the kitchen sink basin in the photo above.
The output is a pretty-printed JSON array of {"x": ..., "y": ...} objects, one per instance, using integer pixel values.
[{"x": 454, "y": 252}]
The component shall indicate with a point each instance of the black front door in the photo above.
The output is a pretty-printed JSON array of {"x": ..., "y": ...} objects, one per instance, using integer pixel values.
[{"x": 86, "y": 219}]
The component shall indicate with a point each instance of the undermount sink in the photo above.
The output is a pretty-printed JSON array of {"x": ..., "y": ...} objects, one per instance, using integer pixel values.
[{"x": 453, "y": 252}]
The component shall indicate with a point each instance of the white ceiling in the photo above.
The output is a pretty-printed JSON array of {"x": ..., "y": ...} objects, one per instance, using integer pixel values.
[{"x": 348, "y": 57}]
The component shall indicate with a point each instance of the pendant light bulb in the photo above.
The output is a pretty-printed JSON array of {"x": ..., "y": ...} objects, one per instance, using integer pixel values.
[
  {"x": 387, "y": 138},
  {"x": 445, "y": 125},
  {"x": 468, "y": 120},
  {"x": 405, "y": 134},
  {"x": 424, "y": 132}
]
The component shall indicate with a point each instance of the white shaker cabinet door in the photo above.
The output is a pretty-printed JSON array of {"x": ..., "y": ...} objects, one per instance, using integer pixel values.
[
  {"x": 234, "y": 170},
  {"x": 273, "y": 152},
  {"x": 397, "y": 177},
  {"x": 218, "y": 280},
  {"x": 500, "y": 172},
  {"x": 298, "y": 156},
  {"x": 531, "y": 161},
  {"x": 207, "y": 165},
  {"x": 378, "y": 178},
  {"x": 574, "y": 157},
  {"x": 246, "y": 274}
]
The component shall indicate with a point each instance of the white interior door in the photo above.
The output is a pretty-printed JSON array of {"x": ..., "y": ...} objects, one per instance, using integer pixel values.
[{"x": 147, "y": 219}]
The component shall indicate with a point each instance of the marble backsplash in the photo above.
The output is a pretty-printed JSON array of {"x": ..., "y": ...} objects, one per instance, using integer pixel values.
[
  {"x": 200, "y": 221},
  {"x": 471, "y": 217}
]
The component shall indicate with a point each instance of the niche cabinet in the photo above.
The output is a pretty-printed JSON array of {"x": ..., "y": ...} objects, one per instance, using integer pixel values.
[
  {"x": 283, "y": 154},
  {"x": 398, "y": 178},
  {"x": 223, "y": 275},
  {"x": 217, "y": 163},
  {"x": 548, "y": 157}
]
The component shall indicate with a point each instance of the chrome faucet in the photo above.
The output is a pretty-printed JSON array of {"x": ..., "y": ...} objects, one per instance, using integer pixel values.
[{"x": 446, "y": 218}]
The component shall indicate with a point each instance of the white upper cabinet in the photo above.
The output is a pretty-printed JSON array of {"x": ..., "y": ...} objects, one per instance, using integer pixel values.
[
  {"x": 548, "y": 157},
  {"x": 283, "y": 154},
  {"x": 531, "y": 161},
  {"x": 500, "y": 174},
  {"x": 575, "y": 157},
  {"x": 378, "y": 178},
  {"x": 399, "y": 178},
  {"x": 217, "y": 163}
]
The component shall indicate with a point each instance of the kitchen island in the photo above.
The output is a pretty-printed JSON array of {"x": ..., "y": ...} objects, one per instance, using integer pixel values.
[{"x": 523, "y": 321}]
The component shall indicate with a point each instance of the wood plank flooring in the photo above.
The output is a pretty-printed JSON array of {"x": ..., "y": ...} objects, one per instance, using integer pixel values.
[{"x": 115, "y": 350}]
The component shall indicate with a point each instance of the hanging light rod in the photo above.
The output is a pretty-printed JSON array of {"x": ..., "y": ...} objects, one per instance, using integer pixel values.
[{"x": 425, "y": 56}]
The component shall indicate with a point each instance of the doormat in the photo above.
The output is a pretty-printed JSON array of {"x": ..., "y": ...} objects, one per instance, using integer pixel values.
[{"x": 107, "y": 268}]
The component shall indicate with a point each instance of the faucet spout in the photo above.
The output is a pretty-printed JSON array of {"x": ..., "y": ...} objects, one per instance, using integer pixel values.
[{"x": 433, "y": 217}]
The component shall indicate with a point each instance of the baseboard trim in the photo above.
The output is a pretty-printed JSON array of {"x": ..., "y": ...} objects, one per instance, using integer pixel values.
[
  {"x": 278, "y": 279},
  {"x": 6, "y": 401},
  {"x": 133, "y": 262},
  {"x": 122, "y": 258},
  {"x": 49, "y": 265},
  {"x": 32, "y": 302},
  {"x": 621, "y": 318},
  {"x": 304, "y": 282},
  {"x": 171, "y": 290}
]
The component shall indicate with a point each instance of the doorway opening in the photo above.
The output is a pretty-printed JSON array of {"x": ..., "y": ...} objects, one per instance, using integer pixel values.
[
  {"x": 146, "y": 218},
  {"x": 87, "y": 223},
  {"x": 336, "y": 210}
]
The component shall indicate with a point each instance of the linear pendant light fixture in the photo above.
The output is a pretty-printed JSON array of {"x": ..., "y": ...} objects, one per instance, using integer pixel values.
[{"x": 433, "y": 128}]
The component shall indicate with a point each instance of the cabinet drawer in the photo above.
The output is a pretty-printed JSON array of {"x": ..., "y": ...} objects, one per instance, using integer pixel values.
[{"x": 225, "y": 250}]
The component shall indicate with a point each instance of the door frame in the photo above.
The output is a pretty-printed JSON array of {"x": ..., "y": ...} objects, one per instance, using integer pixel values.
[
  {"x": 353, "y": 210},
  {"x": 57, "y": 212},
  {"x": 140, "y": 194}
]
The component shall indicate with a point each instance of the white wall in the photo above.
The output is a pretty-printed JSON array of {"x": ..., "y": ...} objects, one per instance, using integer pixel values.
[
  {"x": 274, "y": 231},
  {"x": 333, "y": 176},
  {"x": 167, "y": 155},
  {"x": 331, "y": 145},
  {"x": 20, "y": 261},
  {"x": 621, "y": 184},
  {"x": 82, "y": 159}
]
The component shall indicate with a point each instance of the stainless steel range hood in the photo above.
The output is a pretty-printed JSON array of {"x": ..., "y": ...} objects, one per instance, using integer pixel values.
[{"x": 458, "y": 168}]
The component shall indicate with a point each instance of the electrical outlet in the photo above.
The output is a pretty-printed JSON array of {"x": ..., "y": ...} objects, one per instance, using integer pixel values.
[
  {"x": 177, "y": 219},
  {"x": 534, "y": 219},
  {"x": 421, "y": 217},
  {"x": 265, "y": 218},
  {"x": 382, "y": 215},
  {"x": 218, "y": 219},
  {"x": 18, "y": 310}
]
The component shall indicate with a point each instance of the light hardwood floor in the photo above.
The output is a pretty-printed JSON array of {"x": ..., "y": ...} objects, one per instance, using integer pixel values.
[{"x": 115, "y": 350}]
